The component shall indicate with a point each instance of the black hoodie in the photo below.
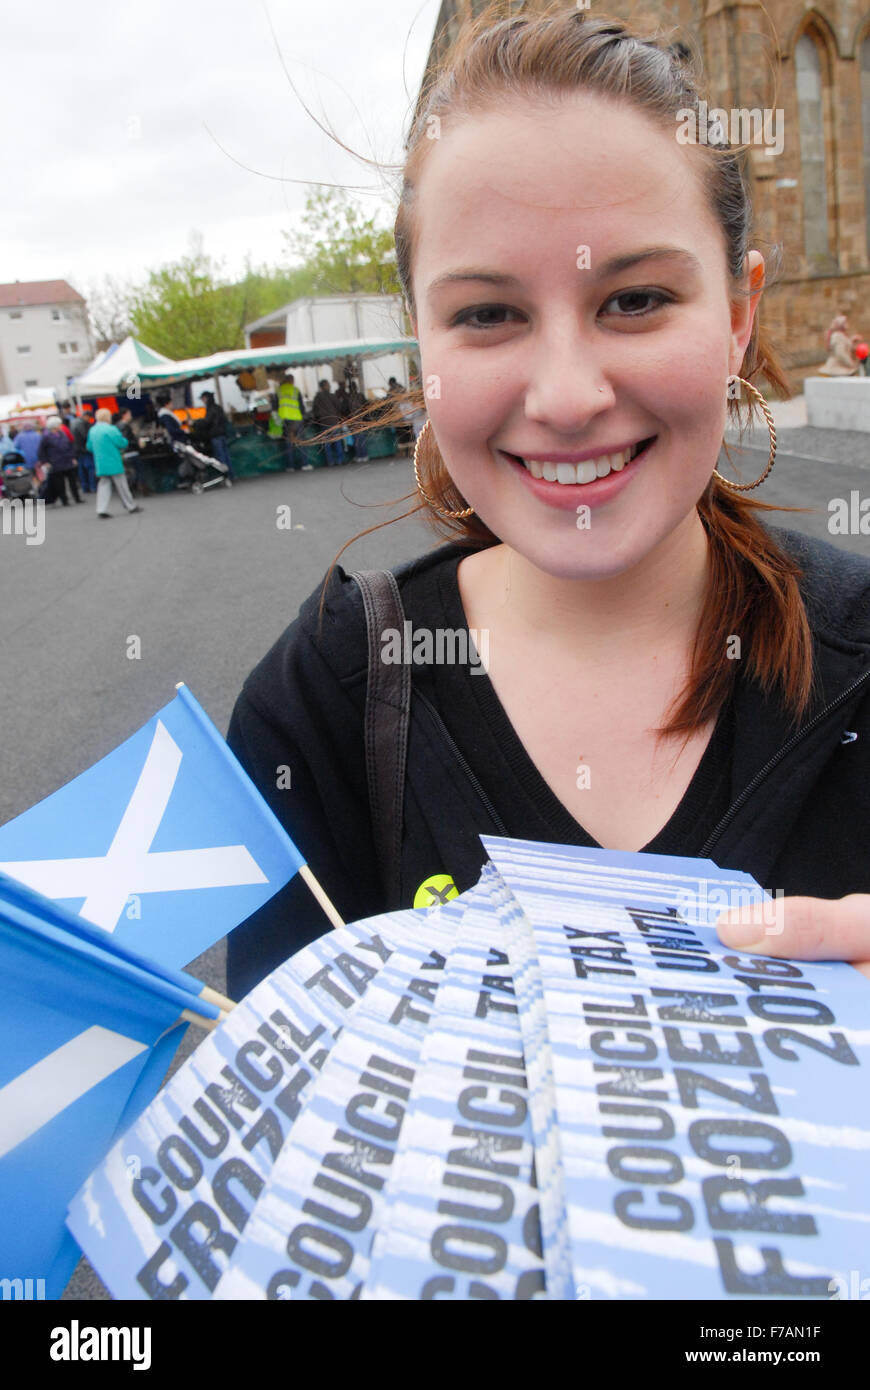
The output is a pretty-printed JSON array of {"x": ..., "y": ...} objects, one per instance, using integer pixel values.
[{"x": 790, "y": 807}]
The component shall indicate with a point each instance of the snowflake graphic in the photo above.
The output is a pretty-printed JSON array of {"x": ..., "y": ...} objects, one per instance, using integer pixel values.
[
  {"x": 486, "y": 1149},
  {"x": 238, "y": 1094},
  {"x": 674, "y": 943},
  {"x": 361, "y": 1154},
  {"x": 631, "y": 1080},
  {"x": 694, "y": 1007}
]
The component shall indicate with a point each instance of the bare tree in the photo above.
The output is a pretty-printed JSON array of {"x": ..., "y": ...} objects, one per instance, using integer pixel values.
[{"x": 109, "y": 311}]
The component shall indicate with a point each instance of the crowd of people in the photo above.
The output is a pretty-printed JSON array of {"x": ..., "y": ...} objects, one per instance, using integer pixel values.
[
  {"x": 99, "y": 452},
  {"x": 328, "y": 412},
  {"x": 341, "y": 415},
  {"x": 72, "y": 456}
]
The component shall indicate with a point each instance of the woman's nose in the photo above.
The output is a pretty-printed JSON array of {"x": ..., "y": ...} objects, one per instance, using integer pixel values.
[{"x": 568, "y": 384}]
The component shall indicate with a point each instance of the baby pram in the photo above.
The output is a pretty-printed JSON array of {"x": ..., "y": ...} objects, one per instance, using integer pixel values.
[
  {"x": 18, "y": 479},
  {"x": 194, "y": 469}
]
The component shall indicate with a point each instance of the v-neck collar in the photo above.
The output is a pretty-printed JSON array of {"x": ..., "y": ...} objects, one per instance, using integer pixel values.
[{"x": 506, "y": 761}]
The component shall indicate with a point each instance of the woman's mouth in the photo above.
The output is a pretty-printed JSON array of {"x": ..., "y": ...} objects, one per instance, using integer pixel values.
[
  {"x": 581, "y": 474},
  {"x": 570, "y": 486}
]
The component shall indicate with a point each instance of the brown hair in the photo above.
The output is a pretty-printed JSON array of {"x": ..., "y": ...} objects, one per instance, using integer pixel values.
[{"x": 753, "y": 583}]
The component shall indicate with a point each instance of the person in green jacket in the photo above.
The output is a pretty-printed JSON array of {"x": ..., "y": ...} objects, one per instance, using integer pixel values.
[
  {"x": 291, "y": 415},
  {"x": 107, "y": 444}
]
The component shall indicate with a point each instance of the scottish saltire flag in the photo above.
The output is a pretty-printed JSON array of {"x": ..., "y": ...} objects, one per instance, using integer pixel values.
[
  {"x": 30, "y": 909},
  {"x": 166, "y": 843},
  {"x": 83, "y": 1049}
]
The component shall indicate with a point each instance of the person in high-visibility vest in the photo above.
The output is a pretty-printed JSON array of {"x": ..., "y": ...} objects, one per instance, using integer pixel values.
[{"x": 290, "y": 413}]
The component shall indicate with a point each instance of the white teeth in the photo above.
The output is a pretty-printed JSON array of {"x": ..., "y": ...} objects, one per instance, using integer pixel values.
[{"x": 585, "y": 472}]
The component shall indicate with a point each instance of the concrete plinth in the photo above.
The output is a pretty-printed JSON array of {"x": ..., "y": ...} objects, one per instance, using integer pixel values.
[{"x": 838, "y": 403}]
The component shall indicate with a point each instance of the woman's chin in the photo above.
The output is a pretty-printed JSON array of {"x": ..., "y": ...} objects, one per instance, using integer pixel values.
[
  {"x": 580, "y": 551},
  {"x": 592, "y": 563}
]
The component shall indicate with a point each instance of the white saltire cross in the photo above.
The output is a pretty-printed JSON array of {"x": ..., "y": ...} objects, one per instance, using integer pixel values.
[{"x": 106, "y": 882}]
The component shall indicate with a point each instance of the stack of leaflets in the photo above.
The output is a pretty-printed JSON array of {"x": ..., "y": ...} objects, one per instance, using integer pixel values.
[{"x": 558, "y": 1085}]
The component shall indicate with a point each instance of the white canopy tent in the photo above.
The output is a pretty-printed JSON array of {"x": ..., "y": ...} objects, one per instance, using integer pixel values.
[{"x": 121, "y": 363}]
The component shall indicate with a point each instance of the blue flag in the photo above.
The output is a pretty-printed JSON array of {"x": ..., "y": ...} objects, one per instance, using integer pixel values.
[
  {"x": 166, "y": 843},
  {"x": 147, "y": 1084},
  {"x": 82, "y": 1050}
]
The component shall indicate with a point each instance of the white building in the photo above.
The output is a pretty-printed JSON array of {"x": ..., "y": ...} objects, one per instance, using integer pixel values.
[
  {"x": 337, "y": 318},
  {"x": 44, "y": 335}
]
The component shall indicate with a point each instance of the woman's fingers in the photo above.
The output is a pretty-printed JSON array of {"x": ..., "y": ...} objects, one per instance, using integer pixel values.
[{"x": 803, "y": 929}]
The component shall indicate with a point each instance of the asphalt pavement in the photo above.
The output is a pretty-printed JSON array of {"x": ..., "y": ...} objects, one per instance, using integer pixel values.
[
  {"x": 814, "y": 469},
  {"x": 207, "y": 583}
]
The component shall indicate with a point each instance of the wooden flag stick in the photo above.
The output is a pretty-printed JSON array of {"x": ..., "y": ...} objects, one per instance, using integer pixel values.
[
  {"x": 211, "y": 996},
  {"x": 321, "y": 897},
  {"x": 201, "y": 1020}
]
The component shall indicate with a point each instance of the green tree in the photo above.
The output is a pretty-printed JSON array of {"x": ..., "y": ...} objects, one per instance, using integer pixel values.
[
  {"x": 344, "y": 251},
  {"x": 263, "y": 289},
  {"x": 187, "y": 308}
]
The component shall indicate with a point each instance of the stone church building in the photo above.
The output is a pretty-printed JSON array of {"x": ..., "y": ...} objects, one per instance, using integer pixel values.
[{"x": 812, "y": 194}]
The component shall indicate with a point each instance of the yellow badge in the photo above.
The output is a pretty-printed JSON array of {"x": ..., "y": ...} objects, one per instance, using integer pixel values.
[{"x": 435, "y": 889}]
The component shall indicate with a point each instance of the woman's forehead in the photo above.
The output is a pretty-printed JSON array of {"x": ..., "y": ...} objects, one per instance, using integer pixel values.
[{"x": 585, "y": 163}]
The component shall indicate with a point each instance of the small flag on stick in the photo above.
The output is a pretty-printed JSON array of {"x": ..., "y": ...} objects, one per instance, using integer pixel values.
[{"x": 165, "y": 843}]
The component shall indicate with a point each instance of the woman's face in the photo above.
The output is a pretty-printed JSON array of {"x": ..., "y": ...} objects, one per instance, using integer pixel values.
[{"x": 535, "y": 346}]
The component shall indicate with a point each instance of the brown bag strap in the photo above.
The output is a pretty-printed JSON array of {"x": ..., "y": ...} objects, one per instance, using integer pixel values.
[{"x": 387, "y": 716}]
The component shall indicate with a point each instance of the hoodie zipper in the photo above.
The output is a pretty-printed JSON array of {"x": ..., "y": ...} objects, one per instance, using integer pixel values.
[
  {"x": 445, "y": 734},
  {"x": 777, "y": 757}
]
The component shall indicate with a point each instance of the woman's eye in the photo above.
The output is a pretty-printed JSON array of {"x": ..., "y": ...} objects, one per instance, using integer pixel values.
[
  {"x": 488, "y": 316},
  {"x": 639, "y": 295},
  {"x": 497, "y": 315}
]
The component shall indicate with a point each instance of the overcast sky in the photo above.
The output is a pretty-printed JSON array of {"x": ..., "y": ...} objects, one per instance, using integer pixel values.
[{"x": 106, "y": 162}]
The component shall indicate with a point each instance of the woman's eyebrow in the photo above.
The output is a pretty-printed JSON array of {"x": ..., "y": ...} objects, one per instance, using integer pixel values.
[
  {"x": 487, "y": 277},
  {"x": 673, "y": 253},
  {"x": 609, "y": 267}
]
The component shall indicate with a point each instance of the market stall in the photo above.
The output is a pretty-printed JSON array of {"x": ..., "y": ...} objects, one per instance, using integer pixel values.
[
  {"x": 254, "y": 449},
  {"x": 255, "y": 446}
]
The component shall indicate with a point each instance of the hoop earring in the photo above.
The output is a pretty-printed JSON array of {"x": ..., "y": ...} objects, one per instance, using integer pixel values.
[
  {"x": 748, "y": 487},
  {"x": 467, "y": 511}
]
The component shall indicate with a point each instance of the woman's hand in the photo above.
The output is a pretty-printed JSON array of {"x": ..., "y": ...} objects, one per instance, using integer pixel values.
[{"x": 803, "y": 929}]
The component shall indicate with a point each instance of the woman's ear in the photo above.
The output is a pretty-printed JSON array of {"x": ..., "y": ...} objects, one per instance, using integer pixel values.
[{"x": 744, "y": 307}]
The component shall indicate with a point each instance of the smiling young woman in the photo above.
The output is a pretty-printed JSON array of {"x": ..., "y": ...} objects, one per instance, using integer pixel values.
[{"x": 583, "y": 288}]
